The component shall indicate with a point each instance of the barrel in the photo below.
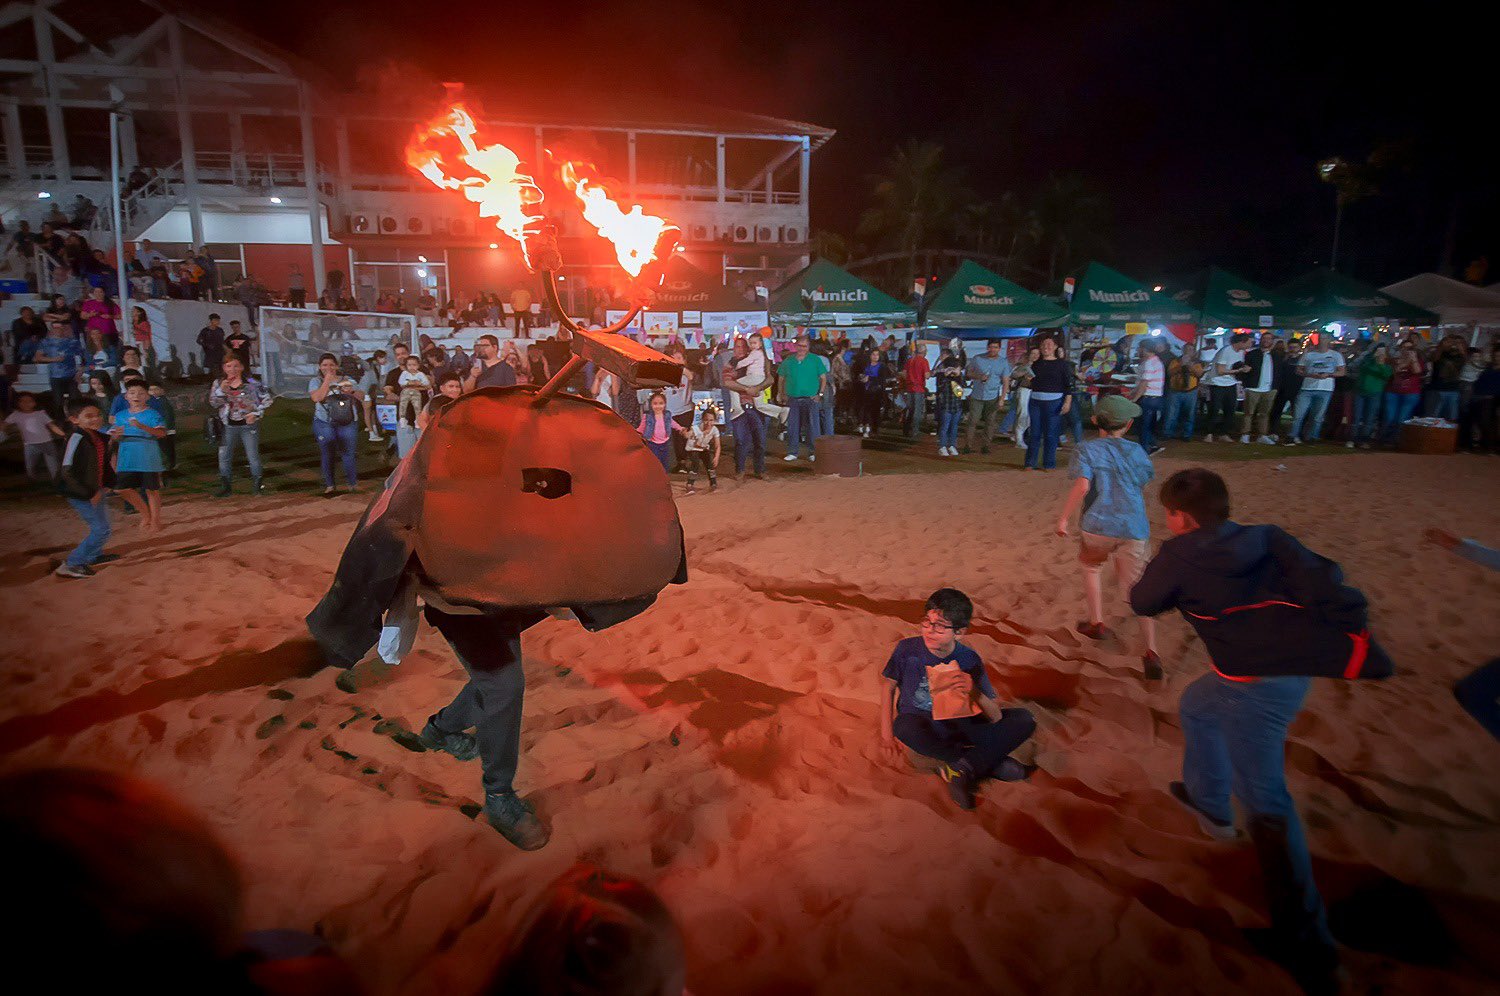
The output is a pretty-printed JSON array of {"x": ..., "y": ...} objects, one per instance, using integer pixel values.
[{"x": 838, "y": 456}]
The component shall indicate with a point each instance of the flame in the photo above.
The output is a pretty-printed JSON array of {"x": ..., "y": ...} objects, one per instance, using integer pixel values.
[
  {"x": 634, "y": 233},
  {"x": 489, "y": 176}
]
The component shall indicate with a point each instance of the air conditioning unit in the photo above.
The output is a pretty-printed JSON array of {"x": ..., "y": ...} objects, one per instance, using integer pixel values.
[
  {"x": 418, "y": 225},
  {"x": 791, "y": 234},
  {"x": 362, "y": 224},
  {"x": 460, "y": 228},
  {"x": 765, "y": 233},
  {"x": 702, "y": 233},
  {"x": 743, "y": 233},
  {"x": 389, "y": 225}
]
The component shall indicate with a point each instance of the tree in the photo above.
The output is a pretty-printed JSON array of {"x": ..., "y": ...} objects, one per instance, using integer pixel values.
[
  {"x": 830, "y": 246},
  {"x": 918, "y": 203},
  {"x": 1070, "y": 219}
]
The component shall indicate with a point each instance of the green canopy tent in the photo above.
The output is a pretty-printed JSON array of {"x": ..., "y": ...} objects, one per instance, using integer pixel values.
[
  {"x": 976, "y": 298},
  {"x": 1324, "y": 296},
  {"x": 1106, "y": 297},
  {"x": 685, "y": 288},
  {"x": 1227, "y": 300},
  {"x": 826, "y": 295}
]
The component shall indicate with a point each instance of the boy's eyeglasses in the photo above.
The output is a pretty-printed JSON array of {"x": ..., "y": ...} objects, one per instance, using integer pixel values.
[{"x": 936, "y": 627}]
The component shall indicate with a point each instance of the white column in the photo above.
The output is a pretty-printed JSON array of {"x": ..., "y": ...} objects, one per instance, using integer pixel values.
[
  {"x": 15, "y": 143},
  {"x": 310, "y": 184},
  {"x": 719, "y": 148},
  {"x": 57, "y": 132},
  {"x": 806, "y": 170},
  {"x": 346, "y": 170},
  {"x": 185, "y": 135},
  {"x": 237, "y": 163}
]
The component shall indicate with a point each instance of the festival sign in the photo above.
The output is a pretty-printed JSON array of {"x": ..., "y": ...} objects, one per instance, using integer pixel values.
[
  {"x": 822, "y": 293},
  {"x": 977, "y": 298},
  {"x": 1106, "y": 297}
]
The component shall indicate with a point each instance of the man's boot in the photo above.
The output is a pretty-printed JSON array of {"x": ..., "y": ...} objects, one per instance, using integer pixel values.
[
  {"x": 1295, "y": 940},
  {"x": 516, "y": 820},
  {"x": 464, "y": 746}
]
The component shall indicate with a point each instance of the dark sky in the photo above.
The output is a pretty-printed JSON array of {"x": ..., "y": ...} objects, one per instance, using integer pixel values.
[{"x": 1200, "y": 123}]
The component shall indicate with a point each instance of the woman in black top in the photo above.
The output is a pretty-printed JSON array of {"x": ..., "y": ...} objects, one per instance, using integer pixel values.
[{"x": 1051, "y": 399}]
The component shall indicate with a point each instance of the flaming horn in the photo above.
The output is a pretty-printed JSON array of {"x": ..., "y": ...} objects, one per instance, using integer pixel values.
[{"x": 490, "y": 177}]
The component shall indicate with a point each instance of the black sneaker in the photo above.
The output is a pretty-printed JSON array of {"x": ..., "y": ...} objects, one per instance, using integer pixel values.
[
  {"x": 257, "y": 489},
  {"x": 464, "y": 746},
  {"x": 224, "y": 490},
  {"x": 516, "y": 820},
  {"x": 1011, "y": 770},
  {"x": 1211, "y": 826},
  {"x": 960, "y": 784},
  {"x": 1156, "y": 449}
]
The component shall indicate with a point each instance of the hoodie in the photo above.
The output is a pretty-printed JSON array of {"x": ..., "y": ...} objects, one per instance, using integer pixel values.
[{"x": 1263, "y": 604}]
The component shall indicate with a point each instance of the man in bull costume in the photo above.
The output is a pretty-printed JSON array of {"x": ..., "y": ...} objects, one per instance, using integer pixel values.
[{"x": 515, "y": 503}]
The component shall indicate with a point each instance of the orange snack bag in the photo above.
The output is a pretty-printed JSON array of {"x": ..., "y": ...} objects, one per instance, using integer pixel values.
[{"x": 949, "y": 699}]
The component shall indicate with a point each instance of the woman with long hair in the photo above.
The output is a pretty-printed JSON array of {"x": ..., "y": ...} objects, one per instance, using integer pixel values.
[
  {"x": 1404, "y": 392},
  {"x": 1051, "y": 398},
  {"x": 140, "y": 325},
  {"x": 871, "y": 378}
]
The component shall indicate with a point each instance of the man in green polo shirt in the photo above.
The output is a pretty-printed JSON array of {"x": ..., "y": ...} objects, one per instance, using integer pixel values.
[{"x": 803, "y": 375}]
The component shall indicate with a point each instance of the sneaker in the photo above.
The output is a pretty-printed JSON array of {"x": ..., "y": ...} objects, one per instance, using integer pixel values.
[
  {"x": 1293, "y": 442},
  {"x": 66, "y": 570},
  {"x": 1156, "y": 449},
  {"x": 1214, "y": 828},
  {"x": 330, "y": 492},
  {"x": 1267, "y": 440},
  {"x": 790, "y": 457},
  {"x": 1093, "y": 630},
  {"x": 1349, "y": 445},
  {"x": 464, "y": 746},
  {"x": 257, "y": 489},
  {"x": 1151, "y": 664},
  {"x": 1244, "y": 439},
  {"x": 516, "y": 820},
  {"x": 1208, "y": 439},
  {"x": 376, "y": 438},
  {"x": 1011, "y": 770},
  {"x": 690, "y": 490},
  {"x": 224, "y": 489},
  {"x": 960, "y": 782},
  {"x": 813, "y": 458}
]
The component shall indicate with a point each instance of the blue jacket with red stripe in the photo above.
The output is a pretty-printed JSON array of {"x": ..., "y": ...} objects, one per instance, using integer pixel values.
[{"x": 1263, "y": 604}]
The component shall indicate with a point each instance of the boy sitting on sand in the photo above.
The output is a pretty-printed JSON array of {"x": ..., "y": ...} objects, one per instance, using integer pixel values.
[
  {"x": 944, "y": 706},
  {"x": 1110, "y": 474}
]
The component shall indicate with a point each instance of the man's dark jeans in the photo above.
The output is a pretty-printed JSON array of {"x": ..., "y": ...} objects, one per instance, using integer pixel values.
[
  {"x": 975, "y": 739},
  {"x": 489, "y": 648}
]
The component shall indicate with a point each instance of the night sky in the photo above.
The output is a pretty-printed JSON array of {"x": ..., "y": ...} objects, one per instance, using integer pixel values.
[{"x": 1200, "y": 124}]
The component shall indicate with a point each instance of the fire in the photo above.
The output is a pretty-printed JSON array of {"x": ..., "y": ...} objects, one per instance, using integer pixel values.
[
  {"x": 634, "y": 233},
  {"x": 490, "y": 176}
]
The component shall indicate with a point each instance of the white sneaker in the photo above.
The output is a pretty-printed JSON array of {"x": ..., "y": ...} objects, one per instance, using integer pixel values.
[
  {"x": 1349, "y": 445},
  {"x": 1244, "y": 439},
  {"x": 813, "y": 458},
  {"x": 1267, "y": 440},
  {"x": 789, "y": 457},
  {"x": 944, "y": 451},
  {"x": 1208, "y": 439}
]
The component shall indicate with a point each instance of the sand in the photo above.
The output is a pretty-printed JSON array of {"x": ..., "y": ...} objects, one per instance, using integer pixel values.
[{"x": 723, "y": 747}]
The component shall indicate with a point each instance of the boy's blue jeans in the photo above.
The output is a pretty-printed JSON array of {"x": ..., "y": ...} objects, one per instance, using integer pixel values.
[
  {"x": 96, "y": 516},
  {"x": 1234, "y": 741},
  {"x": 948, "y": 419},
  {"x": 1151, "y": 408}
]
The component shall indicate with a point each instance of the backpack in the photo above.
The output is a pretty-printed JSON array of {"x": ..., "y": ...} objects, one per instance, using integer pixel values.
[{"x": 341, "y": 409}]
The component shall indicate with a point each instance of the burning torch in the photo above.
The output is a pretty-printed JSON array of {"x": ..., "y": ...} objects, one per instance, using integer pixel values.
[{"x": 448, "y": 153}]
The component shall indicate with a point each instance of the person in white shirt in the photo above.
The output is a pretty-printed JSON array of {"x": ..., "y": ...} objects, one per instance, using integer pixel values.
[
  {"x": 1260, "y": 394},
  {"x": 1149, "y": 393},
  {"x": 1224, "y": 387},
  {"x": 1319, "y": 368},
  {"x": 703, "y": 450}
]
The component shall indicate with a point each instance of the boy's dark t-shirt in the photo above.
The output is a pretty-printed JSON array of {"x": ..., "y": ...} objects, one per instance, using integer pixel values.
[{"x": 908, "y": 669}]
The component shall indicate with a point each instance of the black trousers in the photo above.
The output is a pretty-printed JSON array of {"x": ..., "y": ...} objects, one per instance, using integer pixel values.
[
  {"x": 489, "y": 648},
  {"x": 975, "y": 739},
  {"x": 1222, "y": 402}
]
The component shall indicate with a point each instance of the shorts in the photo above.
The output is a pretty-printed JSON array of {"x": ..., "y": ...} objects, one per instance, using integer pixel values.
[
  {"x": 1130, "y": 555},
  {"x": 145, "y": 480}
]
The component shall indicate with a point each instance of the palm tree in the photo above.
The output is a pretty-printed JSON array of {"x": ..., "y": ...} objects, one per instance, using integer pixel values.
[
  {"x": 918, "y": 202},
  {"x": 1071, "y": 217},
  {"x": 1018, "y": 226},
  {"x": 830, "y": 246}
]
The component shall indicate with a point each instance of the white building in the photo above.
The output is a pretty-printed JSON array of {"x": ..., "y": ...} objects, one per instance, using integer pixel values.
[{"x": 226, "y": 125}]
